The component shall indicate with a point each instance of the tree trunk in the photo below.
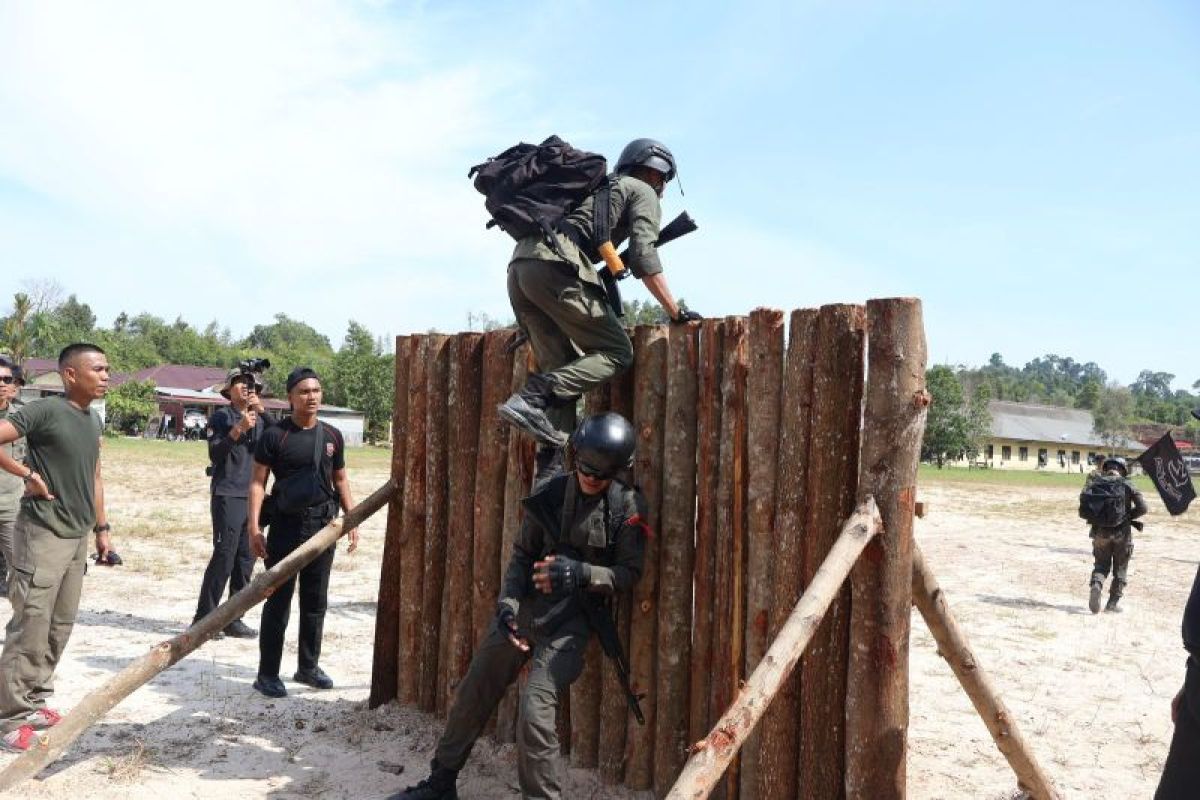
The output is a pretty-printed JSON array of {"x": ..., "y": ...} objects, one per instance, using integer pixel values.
[
  {"x": 436, "y": 500},
  {"x": 412, "y": 535},
  {"x": 97, "y": 703},
  {"x": 712, "y": 755},
  {"x": 881, "y": 584}
]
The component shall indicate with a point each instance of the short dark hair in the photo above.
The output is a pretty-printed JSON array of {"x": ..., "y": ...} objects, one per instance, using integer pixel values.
[
  {"x": 300, "y": 374},
  {"x": 70, "y": 351}
]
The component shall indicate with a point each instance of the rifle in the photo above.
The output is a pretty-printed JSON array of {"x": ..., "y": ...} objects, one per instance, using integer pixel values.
[{"x": 614, "y": 265}]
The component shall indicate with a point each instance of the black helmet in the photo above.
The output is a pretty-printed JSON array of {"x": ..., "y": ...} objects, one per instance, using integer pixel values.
[
  {"x": 646, "y": 153},
  {"x": 1118, "y": 461},
  {"x": 603, "y": 445}
]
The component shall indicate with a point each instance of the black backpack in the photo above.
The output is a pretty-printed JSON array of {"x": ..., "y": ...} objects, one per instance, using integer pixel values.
[
  {"x": 530, "y": 188},
  {"x": 1104, "y": 502}
]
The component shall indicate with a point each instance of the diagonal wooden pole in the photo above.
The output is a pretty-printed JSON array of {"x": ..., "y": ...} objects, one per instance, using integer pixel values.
[
  {"x": 953, "y": 646},
  {"x": 712, "y": 755},
  {"x": 98, "y": 703}
]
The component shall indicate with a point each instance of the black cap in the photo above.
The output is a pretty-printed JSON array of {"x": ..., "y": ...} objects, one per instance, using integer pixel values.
[{"x": 300, "y": 374}]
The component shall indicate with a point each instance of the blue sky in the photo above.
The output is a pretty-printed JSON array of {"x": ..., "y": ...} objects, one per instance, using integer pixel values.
[{"x": 1027, "y": 169}]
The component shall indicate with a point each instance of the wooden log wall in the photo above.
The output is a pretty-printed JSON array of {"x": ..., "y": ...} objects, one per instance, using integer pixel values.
[{"x": 748, "y": 457}]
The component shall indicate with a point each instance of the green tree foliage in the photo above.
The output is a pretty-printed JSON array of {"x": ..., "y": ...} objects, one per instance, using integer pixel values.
[
  {"x": 954, "y": 426},
  {"x": 362, "y": 377},
  {"x": 129, "y": 406},
  {"x": 1113, "y": 414}
]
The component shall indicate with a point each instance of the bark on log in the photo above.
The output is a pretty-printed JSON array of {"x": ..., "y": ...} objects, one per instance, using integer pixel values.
[
  {"x": 412, "y": 535},
  {"x": 729, "y": 587},
  {"x": 436, "y": 500},
  {"x": 489, "y": 481},
  {"x": 676, "y": 552},
  {"x": 956, "y": 649},
  {"x": 518, "y": 477},
  {"x": 708, "y": 458},
  {"x": 712, "y": 755},
  {"x": 832, "y": 482},
  {"x": 650, "y": 346},
  {"x": 96, "y": 704},
  {"x": 385, "y": 665},
  {"x": 777, "y": 765},
  {"x": 895, "y": 404},
  {"x": 614, "y": 714},
  {"x": 764, "y": 379},
  {"x": 463, "y": 395}
]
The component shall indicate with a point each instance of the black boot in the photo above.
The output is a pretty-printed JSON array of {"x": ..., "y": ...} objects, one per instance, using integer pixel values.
[
  {"x": 1112, "y": 606},
  {"x": 438, "y": 786},
  {"x": 1094, "y": 597},
  {"x": 526, "y": 410}
]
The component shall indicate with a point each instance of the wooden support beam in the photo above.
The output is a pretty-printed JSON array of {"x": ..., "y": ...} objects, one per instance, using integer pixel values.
[
  {"x": 712, "y": 755},
  {"x": 412, "y": 534},
  {"x": 777, "y": 765},
  {"x": 956, "y": 649},
  {"x": 881, "y": 584},
  {"x": 385, "y": 665},
  {"x": 95, "y": 704},
  {"x": 436, "y": 508}
]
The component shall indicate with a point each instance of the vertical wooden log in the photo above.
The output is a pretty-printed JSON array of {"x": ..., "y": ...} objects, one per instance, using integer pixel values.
[
  {"x": 436, "y": 500},
  {"x": 650, "y": 361},
  {"x": 765, "y": 375},
  {"x": 614, "y": 714},
  {"x": 832, "y": 481},
  {"x": 489, "y": 480},
  {"x": 729, "y": 624},
  {"x": 518, "y": 477},
  {"x": 412, "y": 539},
  {"x": 881, "y": 582},
  {"x": 708, "y": 457},
  {"x": 462, "y": 399},
  {"x": 586, "y": 691},
  {"x": 777, "y": 764},
  {"x": 677, "y": 538},
  {"x": 385, "y": 665}
]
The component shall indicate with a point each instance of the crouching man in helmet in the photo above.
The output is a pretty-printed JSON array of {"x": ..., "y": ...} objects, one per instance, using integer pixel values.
[{"x": 598, "y": 521}]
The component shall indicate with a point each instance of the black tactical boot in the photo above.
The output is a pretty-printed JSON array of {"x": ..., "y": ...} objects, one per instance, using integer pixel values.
[
  {"x": 1094, "y": 597},
  {"x": 1112, "y": 606},
  {"x": 438, "y": 786},
  {"x": 526, "y": 410}
]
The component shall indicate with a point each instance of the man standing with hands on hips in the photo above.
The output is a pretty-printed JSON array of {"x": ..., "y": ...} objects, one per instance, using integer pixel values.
[
  {"x": 64, "y": 500},
  {"x": 308, "y": 460}
]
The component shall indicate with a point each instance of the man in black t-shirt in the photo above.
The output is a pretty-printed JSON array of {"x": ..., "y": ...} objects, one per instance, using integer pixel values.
[
  {"x": 308, "y": 460},
  {"x": 233, "y": 433}
]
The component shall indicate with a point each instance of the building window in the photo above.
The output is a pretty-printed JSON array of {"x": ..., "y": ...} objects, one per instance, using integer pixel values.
[
  {"x": 1005, "y": 453},
  {"x": 988, "y": 452},
  {"x": 1023, "y": 454},
  {"x": 1093, "y": 458},
  {"x": 1074, "y": 456}
]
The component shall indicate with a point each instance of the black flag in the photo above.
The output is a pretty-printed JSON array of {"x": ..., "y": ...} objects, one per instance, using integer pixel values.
[{"x": 1165, "y": 467}]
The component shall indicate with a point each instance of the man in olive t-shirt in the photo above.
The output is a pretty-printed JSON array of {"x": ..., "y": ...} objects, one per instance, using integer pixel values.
[{"x": 64, "y": 500}]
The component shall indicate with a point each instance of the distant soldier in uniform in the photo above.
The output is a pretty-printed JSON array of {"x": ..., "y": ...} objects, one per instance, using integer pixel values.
[
  {"x": 11, "y": 486},
  {"x": 540, "y": 617},
  {"x": 1097, "y": 470},
  {"x": 560, "y": 304},
  {"x": 1115, "y": 504}
]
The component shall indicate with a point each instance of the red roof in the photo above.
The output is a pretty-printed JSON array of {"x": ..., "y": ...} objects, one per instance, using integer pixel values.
[
  {"x": 175, "y": 376},
  {"x": 33, "y": 367}
]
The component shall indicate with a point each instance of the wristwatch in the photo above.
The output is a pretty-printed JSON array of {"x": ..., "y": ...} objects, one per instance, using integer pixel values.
[
  {"x": 28, "y": 477},
  {"x": 105, "y": 528}
]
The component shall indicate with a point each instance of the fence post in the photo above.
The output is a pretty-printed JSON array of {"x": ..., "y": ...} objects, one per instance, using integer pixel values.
[
  {"x": 436, "y": 499},
  {"x": 412, "y": 534}
]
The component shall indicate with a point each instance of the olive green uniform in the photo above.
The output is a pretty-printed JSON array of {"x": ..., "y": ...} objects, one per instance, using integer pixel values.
[
  {"x": 1113, "y": 547},
  {"x": 11, "y": 489},
  {"x": 49, "y": 550},
  {"x": 561, "y": 305},
  {"x": 557, "y": 512}
]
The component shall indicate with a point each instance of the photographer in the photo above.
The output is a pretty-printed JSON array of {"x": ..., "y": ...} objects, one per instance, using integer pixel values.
[
  {"x": 308, "y": 460},
  {"x": 233, "y": 433}
]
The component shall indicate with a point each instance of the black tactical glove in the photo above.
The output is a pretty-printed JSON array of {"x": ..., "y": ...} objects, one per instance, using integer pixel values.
[
  {"x": 507, "y": 618},
  {"x": 568, "y": 575},
  {"x": 686, "y": 315}
]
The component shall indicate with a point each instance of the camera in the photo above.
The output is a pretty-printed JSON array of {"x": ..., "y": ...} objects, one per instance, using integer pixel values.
[{"x": 254, "y": 366}]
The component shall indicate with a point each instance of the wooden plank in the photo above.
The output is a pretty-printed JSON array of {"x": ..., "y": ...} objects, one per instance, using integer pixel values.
[
  {"x": 412, "y": 542},
  {"x": 676, "y": 553},
  {"x": 763, "y": 381},
  {"x": 436, "y": 510},
  {"x": 778, "y": 744},
  {"x": 385, "y": 664},
  {"x": 895, "y": 406},
  {"x": 832, "y": 480},
  {"x": 464, "y": 387},
  {"x": 650, "y": 360},
  {"x": 708, "y": 456}
]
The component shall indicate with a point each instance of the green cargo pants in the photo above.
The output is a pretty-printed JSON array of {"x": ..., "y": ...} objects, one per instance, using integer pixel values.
[
  {"x": 1111, "y": 550},
  {"x": 576, "y": 338},
  {"x": 47, "y": 579},
  {"x": 555, "y": 664}
]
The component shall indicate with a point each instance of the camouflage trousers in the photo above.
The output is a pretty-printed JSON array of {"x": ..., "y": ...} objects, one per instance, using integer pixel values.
[{"x": 1111, "y": 552}]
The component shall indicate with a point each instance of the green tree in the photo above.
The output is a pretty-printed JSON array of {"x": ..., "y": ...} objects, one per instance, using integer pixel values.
[
  {"x": 953, "y": 427},
  {"x": 362, "y": 379},
  {"x": 1113, "y": 415},
  {"x": 17, "y": 330},
  {"x": 129, "y": 406},
  {"x": 1089, "y": 394}
]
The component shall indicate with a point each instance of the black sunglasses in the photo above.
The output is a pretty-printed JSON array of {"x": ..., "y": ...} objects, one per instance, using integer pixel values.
[{"x": 7, "y": 379}]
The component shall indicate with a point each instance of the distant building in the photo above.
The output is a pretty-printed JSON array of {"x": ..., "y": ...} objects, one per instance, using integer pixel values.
[{"x": 1031, "y": 436}]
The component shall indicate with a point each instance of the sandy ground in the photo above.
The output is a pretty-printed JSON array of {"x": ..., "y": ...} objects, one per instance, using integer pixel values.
[{"x": 1090, "y": 692}]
